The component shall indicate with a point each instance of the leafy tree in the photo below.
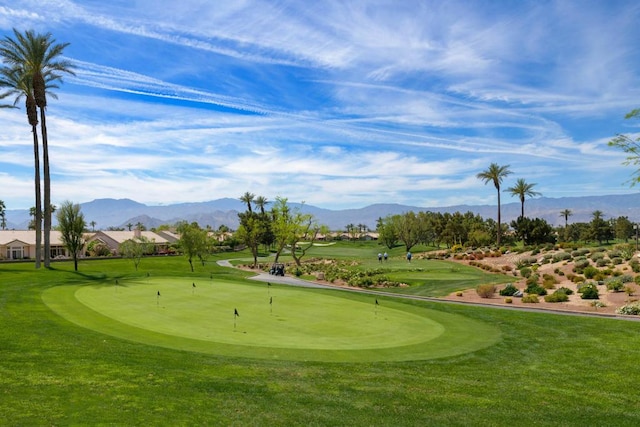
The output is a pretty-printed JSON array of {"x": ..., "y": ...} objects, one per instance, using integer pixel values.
[
  {"x": 38, "y": 56},
  {"x": 407, "y": 228},
  {"x": 522, "y": 189},
  {"x": 599, "y": 229},
  {"x": 193, "y": 241},
  {"x": 250, "y": 232},
  {"x": 631, "y": 146},
  {"x": 72, "y": 225},
  {"x": 533, "y": 231},
  {"x": 290, "y": 227},
  {"x": 623, "y": 228},
  {"x": 136, "y": 248},
  {"x": 495, "y": 174},
  {"x": 387, "y": 234}
]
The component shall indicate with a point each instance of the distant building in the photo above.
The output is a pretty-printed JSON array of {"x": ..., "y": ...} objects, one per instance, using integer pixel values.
[{"x": 21, "y": 244}]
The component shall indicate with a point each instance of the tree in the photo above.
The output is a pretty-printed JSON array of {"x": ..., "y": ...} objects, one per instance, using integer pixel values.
[
  {"x": 3, "y": 215},
  {"x": 136, "y": 248},
  {"x": 93, "y": 225},
  {"x": 250, "y": 232},
  {"x": 193, "y": 241},
  {"x": 38, "y": 56},
  {"x": 599, "y": 229},
  {"x": 19, "y": 85},
  {"x": 631, "y": 146},
  {"x": 522, "y": 189},
  {"x": 533, "y": 231},
  {"x": 72, "y": 225},
  {"x": 248, "y": 199},
  {"x": 566, "y": 214},
  {"x": 495, "y": 174}
]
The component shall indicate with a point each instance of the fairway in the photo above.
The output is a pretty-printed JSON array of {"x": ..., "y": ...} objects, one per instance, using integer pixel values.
[{"x": 274, "y": 322}]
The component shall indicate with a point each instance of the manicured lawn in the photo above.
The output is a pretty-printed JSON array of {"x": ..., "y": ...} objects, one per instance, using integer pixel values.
[{"x": 546, "y": 369}]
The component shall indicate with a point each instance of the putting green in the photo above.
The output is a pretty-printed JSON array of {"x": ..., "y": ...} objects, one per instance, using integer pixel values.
[{"x": 275, "y": 322}]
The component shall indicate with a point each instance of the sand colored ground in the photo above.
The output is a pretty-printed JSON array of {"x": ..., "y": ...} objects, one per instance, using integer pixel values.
[{"x": 610, "y": 300}]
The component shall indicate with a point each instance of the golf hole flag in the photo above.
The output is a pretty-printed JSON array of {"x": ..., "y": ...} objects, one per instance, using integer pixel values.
[{"x": 235, "y": 313}]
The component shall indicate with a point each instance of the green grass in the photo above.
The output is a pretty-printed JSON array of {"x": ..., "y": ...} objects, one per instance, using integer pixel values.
[
  {"x": 547, "y": 369},
  {"x": 303, "y": 324}
]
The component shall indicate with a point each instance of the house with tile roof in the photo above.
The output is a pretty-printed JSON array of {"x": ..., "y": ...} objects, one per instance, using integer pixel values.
[{"x": 21, "y": 244}]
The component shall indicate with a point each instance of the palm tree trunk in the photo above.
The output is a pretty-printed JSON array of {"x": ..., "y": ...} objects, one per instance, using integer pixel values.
[
  {"x": 38, "y": 213},
  {"x": 499, "y": 220},
  {"x": 47, "y": 190}
]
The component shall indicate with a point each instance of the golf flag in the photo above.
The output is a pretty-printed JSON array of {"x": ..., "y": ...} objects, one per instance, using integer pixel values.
[
  {"x": 271, "y": 300},
  {"x": 268, "y": 283},
  {"x": 235, "y": 313},
  {"x": 377, "y": 301},
  {"x": 193, "y": 285},
  {"x": 158, "y": 293}
]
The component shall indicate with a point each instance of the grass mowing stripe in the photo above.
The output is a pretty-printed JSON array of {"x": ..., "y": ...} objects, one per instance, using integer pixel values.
[{"x": 305, "y": 325}]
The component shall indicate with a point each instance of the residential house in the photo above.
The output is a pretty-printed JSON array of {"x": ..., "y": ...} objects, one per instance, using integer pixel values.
[{"x": 21, "y": 244}]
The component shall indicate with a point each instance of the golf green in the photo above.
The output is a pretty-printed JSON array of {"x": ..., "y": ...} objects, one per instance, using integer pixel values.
[{"x": 261, "y": 321}]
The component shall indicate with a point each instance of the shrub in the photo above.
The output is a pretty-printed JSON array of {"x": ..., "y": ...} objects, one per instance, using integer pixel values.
[
  {"x": 595, "y": 256},
  {"x": 629, "y": 309},
  {"x": 536, "y": 289},
  {"x": 557, "y": 297},
  {"x": 602, "y": 262},
  {"x": 637, "y": 280},
  {"x": 615, "y": 285},
  {"x": 589, "y": 291},
  {"x": 486, "y": 291},
  {"x": 508, "y": 300},
  {"x": 564, "y": 290},
  {"x": 580, "y": 252},
  {"x": 508, "y": 290},
  {"x": 525, "y": 271},
  {"x": 635, "y": 266},
  {"x": 616, "y": 260},
  {"x": 590, "y": 271},
  {"x": 561, "y": 256},
  {"x": 530, "y": 299},
  {"x": 626, "y": 278},
  {"x": 628, "y": 290},
  {"x": 578, "y": 279},
  {"x": 459, "y": 293}
]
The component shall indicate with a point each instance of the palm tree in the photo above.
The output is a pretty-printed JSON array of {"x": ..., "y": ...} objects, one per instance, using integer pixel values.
[
  {"x": 261, "y": 202},
  {"x": 19, "y": 85},
  {"x": 522, "y": 189},
  {"x": 495, "y": 174},
  {"x": 566, "y": 214},
  {"x": 3, "y": 215},
  {"x": 39, "y": 56},
  {"x": 248, "y": 199}
]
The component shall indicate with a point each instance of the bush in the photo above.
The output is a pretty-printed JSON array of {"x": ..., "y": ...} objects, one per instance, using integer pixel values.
[
  {"x": 557, "y": 297},
  {"x": 525, "y": 271},
  {"x": 561, "y": 256},
  {"x": 530, "y": 299},
  {"x": 629, "y": 309},
  {"x": 508, "y": 290},
  {"x": 635, "y": 266},
  {"x": 508, "y": 300},
  {"x": 564, "y": 290},
  {"x": 595, "y": 256},
  {"x": 590, "y": 272},
  {"x": 615, "y": 285},
  {"x": 616, "y": 260},
  {"x": 486, "y": 291},
  {"x": 626, "y": 278},
  {"x": 589, "y": 291},
  {"x": 602, "y": 262},
  {"x": 536, "y": 289}
]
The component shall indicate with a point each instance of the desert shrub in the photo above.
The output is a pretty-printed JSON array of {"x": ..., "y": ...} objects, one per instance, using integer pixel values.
[
  {"x": 486, "y": 291},
  {"x": 507, "y": 268},
  {"x": 565, "y": 290},
  {"x": 637, "y": 280},
  {"x": 530, "y": 299},
  {"x": 629, "y": 309},
  {"x": 459, "y": 293},
  {"x": 561, "y": 256},
  {"x": 589, "y": 291},
  {"x": 508, "y": 300},
  {"x": 578, "y": 279},
  {"x": 602, "y": 262},
  {"x": 590, "y": 272},
  {"x": 616, "y": 273},
  {"x": 614, "y": 253},
  {"x": 580, "y": 252},
  {"x": 626, "y": 278},
  {"x": 508, "y": 290},
  {"x": 557, "y": 297},
  {"x": 525, "y": 272},
  {"x": 536, "y": 289},
  {"x": 635, "y": 266},
  {"x": 615, "y": 285},
  {"x": 628, "y": 290},
  {"x": 616, "y": 260},
  {"x": 532, "y": 280},
  {"x": 595, "y": 256}
]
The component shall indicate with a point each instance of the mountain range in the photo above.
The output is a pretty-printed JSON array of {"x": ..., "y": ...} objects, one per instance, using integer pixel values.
[{"x": 107, "y": 213}]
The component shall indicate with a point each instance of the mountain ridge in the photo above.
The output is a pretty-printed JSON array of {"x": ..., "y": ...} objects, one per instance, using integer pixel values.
[{"x": 107, "y": 212}]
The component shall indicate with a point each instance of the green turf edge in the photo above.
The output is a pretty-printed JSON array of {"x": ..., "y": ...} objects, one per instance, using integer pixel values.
[{"x": 462, "y": 335}]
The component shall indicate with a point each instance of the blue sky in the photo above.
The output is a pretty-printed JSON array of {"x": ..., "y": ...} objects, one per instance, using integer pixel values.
[{"x": 340, "y": 104}]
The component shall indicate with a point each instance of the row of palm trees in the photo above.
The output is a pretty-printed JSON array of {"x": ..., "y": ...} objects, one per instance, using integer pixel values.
[
  {"x": 32, "y": 65},
  {"x": 496, "y": 174}
]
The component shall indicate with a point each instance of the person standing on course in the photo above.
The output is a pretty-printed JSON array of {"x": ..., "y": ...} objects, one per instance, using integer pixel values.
[{"x": 409, "y": 256}]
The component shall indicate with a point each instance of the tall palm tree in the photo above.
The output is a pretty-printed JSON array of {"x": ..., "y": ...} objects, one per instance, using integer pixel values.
[
  {"x": 248, "y": 199},
  {"x": 495, "y": 174},
  {"x": 522, "y": 189},
  {"x": 39, "y": 56},
  {"x": 19, "y": 85},
  {"x": 261, "y": 202},
  {"x": 3, "y": 215},
  {"x": 566, "y": 214}
]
